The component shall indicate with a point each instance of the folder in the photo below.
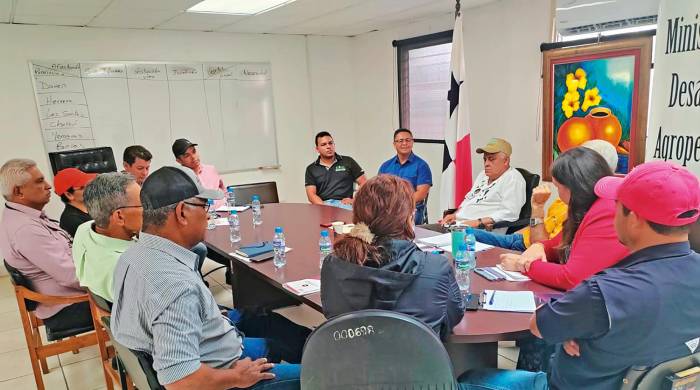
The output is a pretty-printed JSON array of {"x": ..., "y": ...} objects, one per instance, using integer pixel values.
[{"x": 255, "y": 249}]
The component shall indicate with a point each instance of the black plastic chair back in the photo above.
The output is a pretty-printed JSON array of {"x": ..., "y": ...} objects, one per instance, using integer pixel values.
[
  {"x": 532, "y": 180},
  {"x": 375, "y": 349},
  {"x": 643, "y": 378},
  {"x": 92, "y": 160},
  {"x": 266, "y": 190},
  {"x": 694, "y": 237},
  {"x": 138, "y": 364},
  {"x": 20, "y": 280}
]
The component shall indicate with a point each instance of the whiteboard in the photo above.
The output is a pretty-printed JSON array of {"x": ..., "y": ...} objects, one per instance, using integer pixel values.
[{"x": 227, "y": 108}]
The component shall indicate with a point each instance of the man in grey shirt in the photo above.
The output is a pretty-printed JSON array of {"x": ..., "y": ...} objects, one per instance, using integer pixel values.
[{"x": 162, "y": 307}]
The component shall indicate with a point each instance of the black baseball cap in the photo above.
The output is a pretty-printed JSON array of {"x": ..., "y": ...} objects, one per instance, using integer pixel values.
[
  {"x": 169, "y": 185},
  {"x": 180, "y": 146}
]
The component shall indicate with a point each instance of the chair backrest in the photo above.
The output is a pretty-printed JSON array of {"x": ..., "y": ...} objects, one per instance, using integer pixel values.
[
  {"x": 694, "y": 237},
  {"x": 532, "y": 180},
  {"x": 20, "y": 280},
  {"x": 372, "y": 349},
  {"x": 266, "y": 190},
  {"x": 138, "y": 364},
  {"x": 643, "y": 378},
  {"x": 92, "y": 160},
  {"x": 101, "y": 302}
]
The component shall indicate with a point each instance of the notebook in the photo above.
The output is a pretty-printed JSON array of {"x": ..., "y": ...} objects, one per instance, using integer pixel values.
[
  {"x": 304, "y": 286},
  {"x": 255, "y": 249},
  {"x": 513, "y": 301}
]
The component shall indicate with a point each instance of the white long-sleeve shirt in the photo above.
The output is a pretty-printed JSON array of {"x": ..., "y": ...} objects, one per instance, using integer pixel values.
[{"x": 501, "y": 200}]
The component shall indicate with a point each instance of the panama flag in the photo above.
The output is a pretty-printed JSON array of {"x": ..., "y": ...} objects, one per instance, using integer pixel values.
[{"x": 456, "y": 160}]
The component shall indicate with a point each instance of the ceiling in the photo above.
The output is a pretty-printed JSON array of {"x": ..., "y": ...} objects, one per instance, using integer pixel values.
[
  {"x": 316, "y": 17},
  {"x": 591, "y": 12}
]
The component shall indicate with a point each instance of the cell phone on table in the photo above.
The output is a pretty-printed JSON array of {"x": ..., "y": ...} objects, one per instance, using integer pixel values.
[{"x": 472, "y": 302}]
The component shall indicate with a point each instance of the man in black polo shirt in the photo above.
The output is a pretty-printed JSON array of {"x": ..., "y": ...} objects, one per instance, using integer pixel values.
[
  {"x": 644, "y": 310},
  {"x": 330, "y": 179}
]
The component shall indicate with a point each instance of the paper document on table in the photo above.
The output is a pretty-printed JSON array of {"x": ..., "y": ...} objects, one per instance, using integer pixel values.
[
  {"x": 248, "y": 259},
  {"x": 444, "y": 242},
  {"x": 511, "y": 276},
  {"x": 304, "y": 286},
  {"x": 229, "y": 208},
  {"x": 222, "y": 221},
  {"x": 514, "y": 301}
]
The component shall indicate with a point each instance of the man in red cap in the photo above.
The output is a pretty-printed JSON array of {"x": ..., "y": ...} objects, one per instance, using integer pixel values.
[
  {"x": 643, "y": 311},
  {"x": 69, "y": 184}
]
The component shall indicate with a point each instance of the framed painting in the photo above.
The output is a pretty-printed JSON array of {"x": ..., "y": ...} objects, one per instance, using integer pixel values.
[{"x": 597, "y": 91}]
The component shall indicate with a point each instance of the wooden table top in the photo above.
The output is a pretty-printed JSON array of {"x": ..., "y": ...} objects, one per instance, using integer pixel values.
[{"x": 302, "y": 227}]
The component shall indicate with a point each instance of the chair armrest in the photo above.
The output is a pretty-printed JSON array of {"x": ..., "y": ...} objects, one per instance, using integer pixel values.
[
  {"x": 506, "y": 224},
  {"x": 51, "y": 299}
]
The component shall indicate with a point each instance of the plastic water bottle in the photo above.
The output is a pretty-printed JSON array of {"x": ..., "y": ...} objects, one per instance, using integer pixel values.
[
  {"x": 324, "y": 246},
  {"x": 257, "y": 210},
  {"x": 462, "y": 269},
  {"x": 279, "y": 248},
  {"x": 470, "y": 255},
  {"x": 234, "y": 225},
  {"x": 230, "y": 197},
  {"x": 211, "y": 221}
]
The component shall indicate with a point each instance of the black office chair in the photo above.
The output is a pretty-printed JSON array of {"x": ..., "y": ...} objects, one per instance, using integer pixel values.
[
  {"x": 138, "y": 364},
  {"x": 532, "y": 180},
  {"x": 645, "y": 378},
  {"x": 375, "y": 349},
  {"x": 694, "y": 237},
  {"x": 92, "y": 160},
  {"x": 266, "y": 190}
]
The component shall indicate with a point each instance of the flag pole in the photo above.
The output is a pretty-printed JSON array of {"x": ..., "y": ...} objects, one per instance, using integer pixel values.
[{"x": 457, "y": 6}]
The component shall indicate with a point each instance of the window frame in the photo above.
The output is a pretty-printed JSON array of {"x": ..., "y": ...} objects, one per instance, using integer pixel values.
[{"x": 402, "y": 48}]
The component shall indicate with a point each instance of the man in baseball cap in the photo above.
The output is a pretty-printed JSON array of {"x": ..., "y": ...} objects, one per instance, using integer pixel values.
[
  {"x": 643, "y": 311},
  {"x": 70, "y": 184},
  {"x": 187, "y": 155}
]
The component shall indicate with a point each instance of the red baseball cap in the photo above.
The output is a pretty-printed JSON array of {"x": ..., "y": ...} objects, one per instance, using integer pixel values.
[
  {"x": 658, "y": 191},
  {"x": 68, "y": 178}
]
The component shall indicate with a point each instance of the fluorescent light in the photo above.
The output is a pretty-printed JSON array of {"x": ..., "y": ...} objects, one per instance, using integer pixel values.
[
  {"x": 237, "y": 7},
  {"x": 586, "y": 5}
]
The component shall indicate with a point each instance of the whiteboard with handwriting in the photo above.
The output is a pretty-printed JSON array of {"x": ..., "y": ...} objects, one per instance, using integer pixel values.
[{"x": 227, "y": 108}]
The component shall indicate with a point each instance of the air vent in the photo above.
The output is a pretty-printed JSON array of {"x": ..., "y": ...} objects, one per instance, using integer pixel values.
[{"x": 614, "y": 25}]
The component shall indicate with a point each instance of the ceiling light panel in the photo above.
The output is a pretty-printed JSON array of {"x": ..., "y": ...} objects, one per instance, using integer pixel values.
[{"x": 237, "y": 7}]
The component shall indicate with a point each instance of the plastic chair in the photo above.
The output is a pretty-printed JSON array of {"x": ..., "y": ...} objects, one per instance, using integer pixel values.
[
  {"x": 694, "y": 236},
  {"x": 138, "y": 364},
  {"x": 645, "y": 378},
  {"x": 100, "y": 307},
  {"x": 375, "y": 349},
  {"x": 92, "y": 160},
  {"x": 266, "y": 190},
  {"x": 63, "y": 340},
  {"x": 532, "y": 180}
]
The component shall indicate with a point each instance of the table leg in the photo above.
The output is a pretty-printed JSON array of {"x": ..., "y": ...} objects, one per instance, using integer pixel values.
[
  {"x": 251, "y": 292},
  {"x": 466, "y": 356}
]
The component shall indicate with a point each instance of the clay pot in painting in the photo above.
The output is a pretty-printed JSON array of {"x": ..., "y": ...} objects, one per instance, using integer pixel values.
[
  {"x": 605, "y": 125},
  {"x": 573, "y": 132}
]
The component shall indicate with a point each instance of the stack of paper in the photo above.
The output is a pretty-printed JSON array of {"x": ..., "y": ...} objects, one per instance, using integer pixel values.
[
  {"x": 225, "y": 208},
  {"x": 514, "y": 301},
  {"x": 444, "y": 242},
  {"x": 304, "y": 286}
]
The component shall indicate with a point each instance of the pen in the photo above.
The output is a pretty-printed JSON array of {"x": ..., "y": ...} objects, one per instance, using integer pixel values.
[{"x": 493, "y": 295}]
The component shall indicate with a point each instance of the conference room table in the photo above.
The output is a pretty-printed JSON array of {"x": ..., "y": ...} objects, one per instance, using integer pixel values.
[{"x": 474, "y": 341}]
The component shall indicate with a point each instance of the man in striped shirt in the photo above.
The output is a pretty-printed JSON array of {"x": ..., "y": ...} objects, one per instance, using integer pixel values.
[{"x": 162, "y": 307}]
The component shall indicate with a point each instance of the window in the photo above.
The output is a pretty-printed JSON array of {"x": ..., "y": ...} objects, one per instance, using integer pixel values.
[{"x": 424, "y": 80}]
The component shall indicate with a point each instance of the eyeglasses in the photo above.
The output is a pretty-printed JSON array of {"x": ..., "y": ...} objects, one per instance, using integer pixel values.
[
  {"x": 205, "y": 206},
  {"x": 403, "y": 141},
  {"x": 128, "y": 207}
]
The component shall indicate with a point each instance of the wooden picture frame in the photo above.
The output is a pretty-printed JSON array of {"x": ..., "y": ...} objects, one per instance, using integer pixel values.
[{"x": 611, "y": 81}]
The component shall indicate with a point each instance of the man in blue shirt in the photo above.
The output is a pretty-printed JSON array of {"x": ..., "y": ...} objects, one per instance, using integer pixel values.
[
  {"x": 642, "y": 311},
  {"x": 407, "y": 165}
]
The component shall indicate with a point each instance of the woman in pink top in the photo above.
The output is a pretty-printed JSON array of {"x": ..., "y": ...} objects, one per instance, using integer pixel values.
[{"x": 588, "y": 243}]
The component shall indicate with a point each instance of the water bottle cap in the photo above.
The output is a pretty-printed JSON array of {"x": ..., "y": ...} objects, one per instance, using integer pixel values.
[
  {"x": 462, "y": 246},
  {"x": 256, "y": 197},
  {"x": 470, "y": 230},
  {"x": 234, "y": 212},
  {"x": 210, "y": 201},
  {"x": 278, "y": 229},
  {"x": 324, "y": 233},
  {"x": 229, "y": 188}
]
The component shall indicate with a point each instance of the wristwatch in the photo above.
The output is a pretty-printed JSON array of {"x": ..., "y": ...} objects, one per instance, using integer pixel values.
[{"x": 535, "y": 221}]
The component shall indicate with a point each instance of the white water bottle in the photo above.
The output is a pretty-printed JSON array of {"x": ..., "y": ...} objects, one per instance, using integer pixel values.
[
  {"x": 470, "y": 241},
  {"x": 279, "y": 248},
  {"x": 230, "y": 197},
  {"x": 212, "y": 216},
  {"x": 324, "y": 246},
  {"x": 257, "y": 210},
  {"x": 462, "y": 269},
  {"x": 234, "y": 225}
]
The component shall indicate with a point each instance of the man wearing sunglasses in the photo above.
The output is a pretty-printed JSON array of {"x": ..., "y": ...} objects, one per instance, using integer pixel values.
[
  {"x": 70, "y": 184},
  {"x": 409, "y": 166},
  {"x": 162, "y": 307},
  {"x": 113, "y": 200}
]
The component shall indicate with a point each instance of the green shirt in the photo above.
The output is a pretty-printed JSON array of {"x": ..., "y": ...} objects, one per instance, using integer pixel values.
[{"x": 95, "y": 256}]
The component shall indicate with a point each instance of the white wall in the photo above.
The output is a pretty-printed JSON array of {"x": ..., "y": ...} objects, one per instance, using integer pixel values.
[
  {"x": 501, "y": 43},
  {"x": 287, "y": 53}
]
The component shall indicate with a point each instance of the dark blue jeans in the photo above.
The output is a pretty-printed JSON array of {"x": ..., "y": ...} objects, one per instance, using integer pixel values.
[
  {"x": 507, "y": 241},
  {"x": 286, "y": 375},
  {"x": 495, "y": 379}
]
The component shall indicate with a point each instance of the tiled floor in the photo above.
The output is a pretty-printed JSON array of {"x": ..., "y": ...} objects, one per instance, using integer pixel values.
[{"x": 83, "y": 371}]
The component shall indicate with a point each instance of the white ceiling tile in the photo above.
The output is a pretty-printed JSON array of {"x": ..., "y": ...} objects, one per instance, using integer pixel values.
[
  {"x": 5, "y": 10},
  {"x": 60, "y": 7},
  {"x": 154, "y": 5},
  {"x": 53, "y": 20},
  {"x": 199, "y": 22},
  {"x": 132, "y": 18}
]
